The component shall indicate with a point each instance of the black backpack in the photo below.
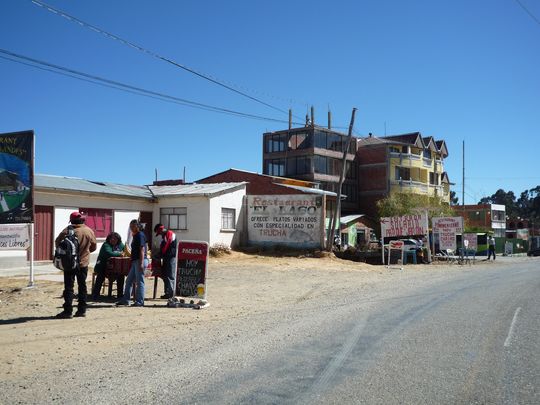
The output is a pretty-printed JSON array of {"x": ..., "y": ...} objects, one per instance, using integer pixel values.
[{"x": 66, "y": 255}]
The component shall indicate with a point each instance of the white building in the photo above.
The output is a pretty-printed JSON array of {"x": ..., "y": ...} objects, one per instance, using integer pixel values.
[{"x": 202, "y": 212}]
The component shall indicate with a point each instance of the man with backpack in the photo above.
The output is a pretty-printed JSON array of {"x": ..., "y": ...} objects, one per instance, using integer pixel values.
[{"x": 83, "y": 239}]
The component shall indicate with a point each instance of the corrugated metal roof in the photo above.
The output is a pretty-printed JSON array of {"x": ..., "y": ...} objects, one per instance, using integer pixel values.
[
  {"x": 195, "y": 189},
  {"x": 308, "y": 190},
  {"x": 350, "y": 218},
  {"x": 82, "y": 185}
]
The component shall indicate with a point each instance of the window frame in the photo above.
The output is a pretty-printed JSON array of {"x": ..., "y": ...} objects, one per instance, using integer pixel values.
[
  {"x": 177, "y": 213},
  {"x": 226, "y": 211}
]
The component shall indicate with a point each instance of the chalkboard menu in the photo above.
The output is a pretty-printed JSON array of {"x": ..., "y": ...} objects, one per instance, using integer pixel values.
[{"x": 192, "y": 269}]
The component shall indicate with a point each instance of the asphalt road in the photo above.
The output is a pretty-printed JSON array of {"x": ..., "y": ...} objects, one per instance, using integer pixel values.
[{"x": 471, "y": 336}]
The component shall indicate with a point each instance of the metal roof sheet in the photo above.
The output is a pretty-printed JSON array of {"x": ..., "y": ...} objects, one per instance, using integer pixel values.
[
  {"x": 350, "y": 218},
  {"x": 82, "y": 185},
  {"x": 308, "y": 190},
  {"x": 209, "y": 189}
]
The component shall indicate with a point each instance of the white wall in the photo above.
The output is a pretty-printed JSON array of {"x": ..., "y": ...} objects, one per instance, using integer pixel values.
[
  {"x": 121, "y": 220},
  {"x": 230, "y": 200},
  {"x": 198, "y": 211}
]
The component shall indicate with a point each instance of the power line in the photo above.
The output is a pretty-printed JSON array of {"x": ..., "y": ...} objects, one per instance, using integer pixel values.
[
  {"x": 528, "y": 12},
  {"x": 153, "y": 54},
  {"x": 14, "y": 57}
]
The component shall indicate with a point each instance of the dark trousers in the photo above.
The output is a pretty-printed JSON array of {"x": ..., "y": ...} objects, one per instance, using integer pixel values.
[
  {"x": 69, "y": 283},
  {"x": 100, "y": 278},
  {"x": 168, "y": 274},
  {"x": 491, "y": 250}
]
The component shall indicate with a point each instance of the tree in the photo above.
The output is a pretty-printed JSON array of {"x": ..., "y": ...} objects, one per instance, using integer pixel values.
[
  {"x": 454, "y": 199},
  {"x": 508, "y": 199},
  {"x": 398, "y": 204}
]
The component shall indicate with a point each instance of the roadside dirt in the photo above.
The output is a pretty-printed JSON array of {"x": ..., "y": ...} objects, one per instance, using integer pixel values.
[{"x": 239, "y": 286}]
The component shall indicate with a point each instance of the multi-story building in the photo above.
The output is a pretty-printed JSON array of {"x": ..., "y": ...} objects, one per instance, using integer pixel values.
[
  {"x": 376, "y": 166},
  {"x": 400, "y": 163},
  {"x": 314, "y": 154},
  {"x": 484, "y": 218}
]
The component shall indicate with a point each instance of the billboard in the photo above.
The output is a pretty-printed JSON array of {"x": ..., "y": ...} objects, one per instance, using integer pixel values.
[
  {"x": 447, "y": 228},
  {"x": 294, "y": 220},
  {"x": 16, "y": 177},
  {"x": 406, "y": 225}
]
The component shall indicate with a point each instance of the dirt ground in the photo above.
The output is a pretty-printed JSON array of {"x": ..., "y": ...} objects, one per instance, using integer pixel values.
[{"x": 239, "y": 285}]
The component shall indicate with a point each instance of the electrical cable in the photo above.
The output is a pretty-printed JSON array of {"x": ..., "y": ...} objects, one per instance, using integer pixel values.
[
  {"x": 528, "y": 12},
  {"x": 152, "y": 53},
  {"x": 126, "y": 87}
]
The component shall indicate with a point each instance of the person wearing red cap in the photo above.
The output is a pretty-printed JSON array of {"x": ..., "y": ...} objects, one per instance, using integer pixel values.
[
  {"x": 167, "y": 252},
  {"x": 87, "y": 244}
]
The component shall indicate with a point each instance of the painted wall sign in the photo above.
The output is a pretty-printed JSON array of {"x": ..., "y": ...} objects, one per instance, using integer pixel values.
[
  {"x": 406, "y": 225},
  {"x": 291, "y": 220},
  {"x": 14, "y": 237},
  {"x": 192, "y": 269},
  {"x": 16, "y": 177}
]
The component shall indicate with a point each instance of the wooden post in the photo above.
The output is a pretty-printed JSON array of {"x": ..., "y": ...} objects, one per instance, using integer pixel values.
[{"x": 337, "y": 207}]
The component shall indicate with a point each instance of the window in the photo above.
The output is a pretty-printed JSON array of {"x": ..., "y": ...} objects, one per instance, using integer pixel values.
[
  {"x": 228, "y": 218},
  {"x": 320, "y": 164},
  {"x": 274, "y": 167},
  {"x": 433, "y": 178},
  {"x": 320, "y": 139},
  {"x": 497, "y": 215},
  {"x": 303, "y": 165},
  {"x": 99, "y": 220},
  {"x": 275, "y": 143},
  {"x": 174, "y": 218},
  {"x": 403, "y": 173},
  {"x": 427, "y": 154},
  {"x": 394, "y": 149}
]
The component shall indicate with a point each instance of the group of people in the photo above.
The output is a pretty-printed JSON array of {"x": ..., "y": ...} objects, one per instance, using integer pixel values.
[{"x": 113, "y": 247}]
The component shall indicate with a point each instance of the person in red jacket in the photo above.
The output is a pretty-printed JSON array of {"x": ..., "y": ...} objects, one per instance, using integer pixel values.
[{"x": 167, "y": 254}]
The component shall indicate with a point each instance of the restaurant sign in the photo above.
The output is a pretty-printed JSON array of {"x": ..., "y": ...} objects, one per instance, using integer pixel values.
[
  {"x": 289, "y": 220},
  {"x": 406, "y": 225},
  {"x": 447, "y": 228}
]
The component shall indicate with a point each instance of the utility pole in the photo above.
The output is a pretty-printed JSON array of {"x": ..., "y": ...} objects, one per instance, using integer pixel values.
[
  {"x": 463, "y": 179},
  {"x": 337, "y": 207}
]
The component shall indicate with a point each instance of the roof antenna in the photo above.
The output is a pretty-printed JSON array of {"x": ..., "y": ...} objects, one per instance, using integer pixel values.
[
  {"x": 156, "y": 173},
  {"x": 384, "y": 128}
]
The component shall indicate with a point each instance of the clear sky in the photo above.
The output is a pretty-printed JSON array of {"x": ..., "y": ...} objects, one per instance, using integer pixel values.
[{"x": 453, "y": 69}]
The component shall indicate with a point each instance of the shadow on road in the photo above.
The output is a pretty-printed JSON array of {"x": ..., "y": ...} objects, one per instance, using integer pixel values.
[{"x": 24, "y": 319}]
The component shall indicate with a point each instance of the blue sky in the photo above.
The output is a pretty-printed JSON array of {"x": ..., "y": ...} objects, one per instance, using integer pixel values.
[{"x": 457, "y": 70}]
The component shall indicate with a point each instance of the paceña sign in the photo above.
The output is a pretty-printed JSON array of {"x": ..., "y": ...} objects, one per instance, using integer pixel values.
[{"x": 192, "y": 269}]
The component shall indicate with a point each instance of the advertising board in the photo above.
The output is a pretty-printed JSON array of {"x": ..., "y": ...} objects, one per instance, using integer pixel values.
[
  {"x": 294, "y": 220},
  {"x": 406, "y": 225},
  {"x": 447, "y": 228},
  {"x": 192, "y": 269},
  {"x": 16, "y": 177}
]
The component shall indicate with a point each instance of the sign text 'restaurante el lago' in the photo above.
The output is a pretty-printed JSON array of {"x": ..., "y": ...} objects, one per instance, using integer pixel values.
[{"x": 284, "y": 218}]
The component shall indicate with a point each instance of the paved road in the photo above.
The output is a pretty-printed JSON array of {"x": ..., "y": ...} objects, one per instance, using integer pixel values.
[
  {"x": 469, "y": 335},
  {"x": 472, "y": 338}
]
